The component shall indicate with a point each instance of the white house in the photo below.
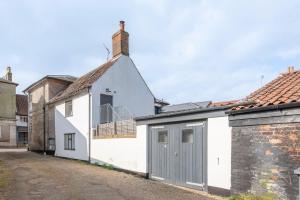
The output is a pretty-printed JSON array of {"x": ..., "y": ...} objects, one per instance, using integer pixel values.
[
  {"x": 110, "y": 117},
  {"x": 101, "y": 104}
]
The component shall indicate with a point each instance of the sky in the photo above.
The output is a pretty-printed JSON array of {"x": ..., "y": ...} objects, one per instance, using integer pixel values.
[{"x": 187, "y": 51}]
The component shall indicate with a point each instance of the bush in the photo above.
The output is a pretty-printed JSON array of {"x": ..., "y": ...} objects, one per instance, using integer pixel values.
[{"x": 266, "y": 196}]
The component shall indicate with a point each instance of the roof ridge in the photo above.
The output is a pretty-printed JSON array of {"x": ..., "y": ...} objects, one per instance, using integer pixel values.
[{"x": 84, "y": 81}]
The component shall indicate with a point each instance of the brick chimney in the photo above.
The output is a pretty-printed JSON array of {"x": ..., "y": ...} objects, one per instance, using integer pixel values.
[
  {"x": 8, "y": 75},
  {"x": 120, "y": 41}
]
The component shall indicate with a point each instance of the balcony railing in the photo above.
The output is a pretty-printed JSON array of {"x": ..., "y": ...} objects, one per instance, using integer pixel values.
[{"x": 115, "y": 122}]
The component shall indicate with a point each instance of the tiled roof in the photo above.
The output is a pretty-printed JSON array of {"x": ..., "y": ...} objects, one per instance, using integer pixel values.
[
  {"x": 83, "y": 82},
  {"x": 63, "y": 77},
  {"x": 66, "y": 78},
  {"x": 22, "y": 105},
  {"x": 282, "y": 90},
  {"x": 224, "y": 103}
]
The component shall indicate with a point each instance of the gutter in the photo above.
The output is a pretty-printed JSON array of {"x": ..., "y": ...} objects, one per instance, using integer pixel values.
[
  {"x": 44, "y": 110},
  {"x": 180, "y": 113},
  {"x": 193, "y": 111},
  {"x": 262, "y": 109}
]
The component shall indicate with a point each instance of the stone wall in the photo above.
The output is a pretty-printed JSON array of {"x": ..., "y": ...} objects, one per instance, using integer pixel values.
[
  {"x": 8, "y": 101},
  {"x": 264, "y": 158},
  {"x": 8, "y": 133},
  {"x": 41, "y": 95}
]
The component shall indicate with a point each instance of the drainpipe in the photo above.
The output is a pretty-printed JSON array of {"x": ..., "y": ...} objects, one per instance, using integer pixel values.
[
  {"x": 89, "y": 124},
  {"x": 44, "y": 112}
]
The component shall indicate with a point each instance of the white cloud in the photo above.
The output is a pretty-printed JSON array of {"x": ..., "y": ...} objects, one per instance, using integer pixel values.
[{"x": 186, "y": 51}]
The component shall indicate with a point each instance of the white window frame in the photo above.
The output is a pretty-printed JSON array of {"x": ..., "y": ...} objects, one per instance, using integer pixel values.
[
  {"x": 69, "y": 144},
  {"x": 69, "y": 105}
]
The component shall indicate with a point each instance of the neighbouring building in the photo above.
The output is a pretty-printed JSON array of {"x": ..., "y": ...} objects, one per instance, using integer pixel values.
[
  {"x": 22, "y": 120},
  {"x": 41, "y": 136},
  {"x": 266, "y": 139},
  {"x": 8, "y": 110}
]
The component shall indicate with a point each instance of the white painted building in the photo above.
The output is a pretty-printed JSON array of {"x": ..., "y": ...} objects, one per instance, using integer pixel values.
[
  {"x": 108, "y": 117},
  {"x": 116, "y": 89}
]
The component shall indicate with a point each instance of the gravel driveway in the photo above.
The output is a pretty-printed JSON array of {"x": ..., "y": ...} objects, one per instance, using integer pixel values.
[{"x": 27, "y": 175}]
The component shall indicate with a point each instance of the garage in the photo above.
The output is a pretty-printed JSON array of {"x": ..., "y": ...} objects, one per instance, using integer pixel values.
[
  {"x": 189, "y": 145},
  {"x": 177, "y": 153}
]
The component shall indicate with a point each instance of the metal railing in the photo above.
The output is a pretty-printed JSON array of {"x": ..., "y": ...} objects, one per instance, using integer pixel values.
[{"x": 115, "y": 122}]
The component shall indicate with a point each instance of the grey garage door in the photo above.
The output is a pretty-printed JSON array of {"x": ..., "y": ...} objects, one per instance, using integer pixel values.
[{"x": 177, "y": 154}]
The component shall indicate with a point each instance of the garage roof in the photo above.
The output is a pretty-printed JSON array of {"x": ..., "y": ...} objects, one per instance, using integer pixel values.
[{"x": 193, "y": 108}]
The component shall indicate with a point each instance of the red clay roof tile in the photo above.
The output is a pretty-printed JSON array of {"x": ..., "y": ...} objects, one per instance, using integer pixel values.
[{"x": 284, "y": 89}]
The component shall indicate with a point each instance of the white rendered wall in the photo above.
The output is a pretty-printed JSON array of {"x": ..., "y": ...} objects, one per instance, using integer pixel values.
[
  {"x": 219, "y": 152},
  {"x": 125, "y": 153},
  {"x": 127, "y": 88},
  {"x": 78, "y": 124}
]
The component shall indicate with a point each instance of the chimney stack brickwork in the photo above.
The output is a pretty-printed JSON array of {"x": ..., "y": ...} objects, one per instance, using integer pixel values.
[{"x": 120, "y": 41}]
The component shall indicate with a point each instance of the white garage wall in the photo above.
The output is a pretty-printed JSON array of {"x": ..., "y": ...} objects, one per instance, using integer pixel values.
[
  {"x": 219, "y": 152},
  {"x": 78, "y": 124},
  {"x": 124, "y": 153}
]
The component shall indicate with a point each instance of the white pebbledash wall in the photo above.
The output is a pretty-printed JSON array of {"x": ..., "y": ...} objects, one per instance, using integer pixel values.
[
  {"x": 219, "y": 152},
  {"x": 125, "y": 153},
  {"x": 78, "y": 124}
]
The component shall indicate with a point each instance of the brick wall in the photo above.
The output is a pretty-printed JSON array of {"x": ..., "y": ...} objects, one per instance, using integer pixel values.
[{"x": 264, "y": 158}]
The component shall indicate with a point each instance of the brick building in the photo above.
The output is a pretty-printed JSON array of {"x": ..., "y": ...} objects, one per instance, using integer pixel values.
[{"x": 266, "y": 139}]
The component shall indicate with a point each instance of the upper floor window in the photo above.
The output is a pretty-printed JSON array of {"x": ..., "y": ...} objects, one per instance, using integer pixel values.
[{"x": 68, "y": 108}]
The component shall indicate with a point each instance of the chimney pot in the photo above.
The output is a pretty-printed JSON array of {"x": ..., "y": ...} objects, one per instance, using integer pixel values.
[
  {"x": 122, "y": 25},
  {"x": 8, "y": 75}
]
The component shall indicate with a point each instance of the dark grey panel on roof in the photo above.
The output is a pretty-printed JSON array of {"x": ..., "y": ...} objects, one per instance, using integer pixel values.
[{"x": 185, "y": 106}]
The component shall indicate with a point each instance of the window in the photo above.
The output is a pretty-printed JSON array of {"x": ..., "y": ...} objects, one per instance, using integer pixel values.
[
  {"x": 70, "y": 141},
  {"x": 23, "y": 118},
  {"x": 187, "y": 136},
  {"x": 106, "y": 108},
  {"x": 68, "y": 108},
  {"x": 162, "y": 136}
]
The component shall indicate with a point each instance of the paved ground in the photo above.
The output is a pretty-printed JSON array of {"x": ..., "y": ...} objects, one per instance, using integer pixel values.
[{"x": 26, "y": 175}]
